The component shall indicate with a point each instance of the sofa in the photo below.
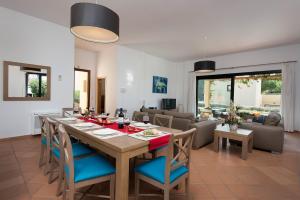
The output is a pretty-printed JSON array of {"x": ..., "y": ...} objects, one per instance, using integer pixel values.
[
  {"x": 186, "y": 121},
  {"x": 268, "y": 132}
]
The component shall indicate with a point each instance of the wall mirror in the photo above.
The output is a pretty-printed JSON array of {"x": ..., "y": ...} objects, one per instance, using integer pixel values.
[{"x": 26, "y": 82}]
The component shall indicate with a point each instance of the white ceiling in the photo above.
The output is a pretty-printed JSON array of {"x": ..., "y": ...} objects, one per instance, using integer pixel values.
[{"x": 175, "y": 29}]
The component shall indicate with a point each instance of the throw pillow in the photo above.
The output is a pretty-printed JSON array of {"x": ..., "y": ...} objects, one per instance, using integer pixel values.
[
  {"x": 273, "y": 119},
  {"x": 259, "y": 119}
]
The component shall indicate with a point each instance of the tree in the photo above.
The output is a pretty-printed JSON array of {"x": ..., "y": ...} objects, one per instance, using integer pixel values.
[
  {"x": 34, "y": 87},
  {"x": 271, "y": 86}
]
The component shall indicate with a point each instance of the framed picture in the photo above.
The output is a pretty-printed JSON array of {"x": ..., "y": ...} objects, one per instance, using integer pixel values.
[{"x": 160, "y": 85}]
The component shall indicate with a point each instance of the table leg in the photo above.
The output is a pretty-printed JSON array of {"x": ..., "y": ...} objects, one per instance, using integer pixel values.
[
  {"x": 122, "y": 176},
  {"x": 216, "y": 142},
  {"x": 245, "y": 149},
  {"x": 224, "y": 143},
  {"x": 250, "y": 145}
]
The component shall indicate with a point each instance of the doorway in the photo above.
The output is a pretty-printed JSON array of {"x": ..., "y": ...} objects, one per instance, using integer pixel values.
[
  {"x": 82, "y": 88},
  {"x": 100, "y": 95}
]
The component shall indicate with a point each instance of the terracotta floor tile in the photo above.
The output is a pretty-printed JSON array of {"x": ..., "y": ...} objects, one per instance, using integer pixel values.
[
  {"x": 34, "y": 187},
  {"x": 223, "y": 175},
  {"x": 8, "y": 183},
  {"x": 199, "y": 191},
  {"x": 46, "y": 191},
  {"x": 13, "y": 192}
]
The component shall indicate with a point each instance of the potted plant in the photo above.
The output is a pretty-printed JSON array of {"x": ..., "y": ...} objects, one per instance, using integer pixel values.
[{"x": 232, "y": 119}]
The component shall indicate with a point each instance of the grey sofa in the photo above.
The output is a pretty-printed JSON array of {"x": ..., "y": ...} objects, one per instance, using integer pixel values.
[
  {"x": 270, "y": 138},
  {"x": 186, "y": 121}
]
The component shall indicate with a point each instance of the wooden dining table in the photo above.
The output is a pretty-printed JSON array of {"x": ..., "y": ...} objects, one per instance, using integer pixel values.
[{"x": 122, "y": 148}]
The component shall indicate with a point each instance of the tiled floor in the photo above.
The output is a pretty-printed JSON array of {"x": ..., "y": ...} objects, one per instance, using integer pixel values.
[{"x": 213, "y": 175}]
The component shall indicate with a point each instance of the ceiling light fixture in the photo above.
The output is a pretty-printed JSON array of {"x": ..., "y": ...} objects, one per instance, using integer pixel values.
[
  {"x": 94, "y": 23},
  {"x": 205, "y": 66}
]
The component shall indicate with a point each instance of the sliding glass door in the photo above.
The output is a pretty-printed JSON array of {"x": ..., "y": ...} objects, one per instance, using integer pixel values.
[
  {"x": 213, "y": 95},
  {"x": 253, "y": 92},
  {"x": 259, "y": 93}
]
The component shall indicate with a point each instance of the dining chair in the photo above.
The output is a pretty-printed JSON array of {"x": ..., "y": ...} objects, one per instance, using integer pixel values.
[
  {"x": 65, "y": 111},
  {"x": 43, "y": 153},
  {"x": 163, "y": 120},
  {"x": 54, "y": 155},
  {"x": 85, "y": 171},
  {"x": 138, "y": 116},
  {"x": 166, "y": 172}
]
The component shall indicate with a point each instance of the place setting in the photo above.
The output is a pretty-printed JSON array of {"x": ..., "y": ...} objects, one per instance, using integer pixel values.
[
  {"x": 105, "y": 133},
  {"x": 85, "y": 126}
]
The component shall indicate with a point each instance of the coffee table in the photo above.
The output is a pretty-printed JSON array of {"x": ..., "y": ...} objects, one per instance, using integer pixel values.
[{"x": 243, "y": 135}]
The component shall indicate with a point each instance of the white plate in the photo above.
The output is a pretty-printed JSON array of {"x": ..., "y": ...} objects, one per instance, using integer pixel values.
[
  {"x": 84, "y": 125},
  {"x": 67, "y": 119},
  {"x": 140, "y": 124},
  {"x": 105, "y": 131}
]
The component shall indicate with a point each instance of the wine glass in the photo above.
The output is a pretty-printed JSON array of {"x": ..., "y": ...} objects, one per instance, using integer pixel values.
[
  {"x": 146, "y": 119},
  {"x": 126, "y": 122},
  {"x": 76, "y": 109}
]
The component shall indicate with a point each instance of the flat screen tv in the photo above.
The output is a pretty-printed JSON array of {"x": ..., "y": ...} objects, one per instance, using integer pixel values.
[{"x": 168, "y": 104}]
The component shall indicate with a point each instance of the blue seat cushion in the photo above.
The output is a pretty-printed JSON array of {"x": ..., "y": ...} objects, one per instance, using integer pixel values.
[
  {"x": 91, "y": 167},
  {"x": 77, "y": 148},
  {"x": 155, "y": 169}
]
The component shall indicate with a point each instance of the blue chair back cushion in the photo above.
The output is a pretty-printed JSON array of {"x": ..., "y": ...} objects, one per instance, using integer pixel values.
[
  {"x": 155, "y": 169},
  {"x": 77, "y": 148},
  {"x": 44, "y": 140}
]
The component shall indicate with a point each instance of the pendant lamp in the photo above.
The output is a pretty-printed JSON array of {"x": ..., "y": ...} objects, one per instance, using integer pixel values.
[
  {"x": 205, "y": 66},
  {"x": 94, "y": 23}
]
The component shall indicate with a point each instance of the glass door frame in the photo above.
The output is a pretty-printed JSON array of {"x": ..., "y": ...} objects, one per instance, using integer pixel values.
[
  {"x": 88, "y": 84},
  {"x": 230, "y": 76}
]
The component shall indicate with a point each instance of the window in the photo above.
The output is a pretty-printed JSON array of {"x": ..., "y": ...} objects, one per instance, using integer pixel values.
[
  {"x": 36, "y": 84},
  {"x": 253, "y": 93}
]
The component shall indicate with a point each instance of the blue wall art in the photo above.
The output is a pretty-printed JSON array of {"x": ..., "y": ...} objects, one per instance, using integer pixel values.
[{"x": 160, "y": 85}]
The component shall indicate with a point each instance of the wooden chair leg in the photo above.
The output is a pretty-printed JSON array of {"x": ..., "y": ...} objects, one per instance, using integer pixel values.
[
  {"x": 60, "y": 178},
  {"x": 51, "y": 170},
  {"x": 71, "y": 194},
  {"x": 137, "y": 187},
  {"x": 166, "y": 194},
  {"x": 42, "y": 155},
  {"x": 64, "y": 190},
  {"x": 187, "y": 188},
  {"x": 112, "y": 187},
  {"x": 47, "y": 167}
]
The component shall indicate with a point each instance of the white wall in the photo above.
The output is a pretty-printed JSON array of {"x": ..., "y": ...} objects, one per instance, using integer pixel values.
[
  {"x": 31, "y": 40},
  {"x": 85, "y": 59},
  {"x": 135, "y": 75},
  {"x": 129, "y": 75},
  {"x": 107, "y": 68},
  {"x": 279, "y": 54}
]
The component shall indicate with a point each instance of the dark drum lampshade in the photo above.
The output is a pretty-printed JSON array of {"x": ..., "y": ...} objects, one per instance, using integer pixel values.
[
  {"x": 205, "y": 66},
  {"x": 94, "y": 22}
]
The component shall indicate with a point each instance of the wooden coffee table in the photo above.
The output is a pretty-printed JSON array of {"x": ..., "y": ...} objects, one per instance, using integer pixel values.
[{"x": 243, "y": 135}]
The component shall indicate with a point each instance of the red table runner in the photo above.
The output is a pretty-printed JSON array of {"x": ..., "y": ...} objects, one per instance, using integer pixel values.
[{"x": 154, "y": 143}]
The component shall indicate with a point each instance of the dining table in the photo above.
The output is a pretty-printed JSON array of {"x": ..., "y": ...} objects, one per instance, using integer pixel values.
[{"x": 122, "y": 148}]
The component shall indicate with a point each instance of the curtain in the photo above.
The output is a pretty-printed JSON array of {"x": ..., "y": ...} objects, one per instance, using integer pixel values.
[
  {"x": 288, "y": 96},
  {"x": 191, "y": 103}
]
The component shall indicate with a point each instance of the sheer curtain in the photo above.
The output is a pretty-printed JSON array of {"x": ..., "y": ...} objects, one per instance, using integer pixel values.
[
  {"x": 191, "y": 104},
  {"x": 288, "y": 96}
]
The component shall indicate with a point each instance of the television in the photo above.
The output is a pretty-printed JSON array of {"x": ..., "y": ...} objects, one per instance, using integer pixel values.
[{"x": 168, "y": 104}]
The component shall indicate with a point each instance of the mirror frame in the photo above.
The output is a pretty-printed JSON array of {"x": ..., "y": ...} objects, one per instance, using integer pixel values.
[{"x": 5, "y": 82}]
